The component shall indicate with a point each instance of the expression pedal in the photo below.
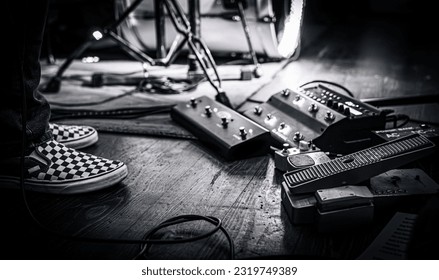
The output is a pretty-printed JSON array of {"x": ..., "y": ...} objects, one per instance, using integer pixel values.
[
  {"x": 345, "y": 207},
  {"x": 359, "y": 166},
  {"x": 224, "y": 130}
]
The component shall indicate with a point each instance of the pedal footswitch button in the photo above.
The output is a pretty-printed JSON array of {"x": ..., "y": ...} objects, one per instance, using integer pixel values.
[
  {"x": 223, "y": 130},
  {"x": 224, "y": 122},
  {"x": 208, "y": 111},
  {"x": 313, "y": 108},
  {"x": 243, "y": 133},
  {"x": 329, "y": 116}
]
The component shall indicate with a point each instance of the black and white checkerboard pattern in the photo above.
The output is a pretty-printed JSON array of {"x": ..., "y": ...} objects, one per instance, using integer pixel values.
[
  {"x": 69, "y": 132},
  {"x": 68, "y": 163}
]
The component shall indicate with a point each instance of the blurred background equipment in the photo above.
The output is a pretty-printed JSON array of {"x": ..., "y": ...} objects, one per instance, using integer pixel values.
[
  {"x": 188, "y": 34},
  {"x": 274, "y": 26}
]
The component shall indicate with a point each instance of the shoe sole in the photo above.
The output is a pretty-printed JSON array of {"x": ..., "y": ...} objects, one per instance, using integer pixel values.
[
  {"x": 81, "y": 142},
  {"x": 77, "y": 186}
]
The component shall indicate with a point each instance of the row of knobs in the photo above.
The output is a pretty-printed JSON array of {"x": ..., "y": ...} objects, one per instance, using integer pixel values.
[
  {"x": 330, "y": 103},
  {"x": 329, "y": 116},
  {"x": 339, "y": 107},
  {"x": 334, "y": 105}
]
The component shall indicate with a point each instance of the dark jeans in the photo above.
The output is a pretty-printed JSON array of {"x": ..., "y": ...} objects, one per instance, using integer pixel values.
[{"x": 23, "y": 25}]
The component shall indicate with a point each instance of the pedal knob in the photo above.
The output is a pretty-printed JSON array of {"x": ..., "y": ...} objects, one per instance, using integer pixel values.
[
  {"x": 224, "y": 122},
  {"x": 281, "y": 125},
  {"x": 285, "y": 93},
  {"x": 297, "y": 98},
  {"x": 341, "y": 108},
  {"x": 269, "y": 116},
  {"x": 312, "y": 145},
  {"x": 258, "y": 110},
  {"x": 193, "y": 102},
  {"x": 304, "y": 145},
  {"x": 347, "y": 111},
  {"x": 208, "y": 111},
  {"x": 285, "y": 147},
  {"x": 243, "y": 133},
  {"x": 297, "y": 136},
  {"x": 313, "y": 108},
  {"x": 335, "y": 105},
  {"x": 329, "y": 116},
  {"x": 330, "y": 103}
]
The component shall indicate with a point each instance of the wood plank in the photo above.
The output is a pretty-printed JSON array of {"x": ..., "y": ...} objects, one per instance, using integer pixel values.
[
  {"x": 163, "y": 183},
  {"x": 169, "y": 177}
]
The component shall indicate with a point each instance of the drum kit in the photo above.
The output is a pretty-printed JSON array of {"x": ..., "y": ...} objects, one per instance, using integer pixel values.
[
  {"x": 274, "y": 26},
  {"x": 264, "y": 28}
]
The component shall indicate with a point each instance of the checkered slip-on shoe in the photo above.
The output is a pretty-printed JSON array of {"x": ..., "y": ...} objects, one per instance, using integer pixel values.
[
  {"x": 55, "y": 168},
  {"x": 73, "y": 136}
]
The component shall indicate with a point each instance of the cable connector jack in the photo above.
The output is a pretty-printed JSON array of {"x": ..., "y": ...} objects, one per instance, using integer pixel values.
[{"x": 222, "y": 98}]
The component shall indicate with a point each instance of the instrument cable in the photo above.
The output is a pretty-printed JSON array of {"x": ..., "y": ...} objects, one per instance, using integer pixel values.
[
  {"x": 329, "y": 83},
  {"x": 146, "y": 241}
]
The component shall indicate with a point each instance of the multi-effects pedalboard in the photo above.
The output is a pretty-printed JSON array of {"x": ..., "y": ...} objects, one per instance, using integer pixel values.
[
  {"x": 332, "y": 121},
  {"x": 309, "y": 118},
  {"x": 327, "y": 144}
]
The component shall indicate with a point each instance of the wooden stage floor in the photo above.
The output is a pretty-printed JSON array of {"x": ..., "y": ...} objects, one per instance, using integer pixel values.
[{"x": 170, "y": 176}]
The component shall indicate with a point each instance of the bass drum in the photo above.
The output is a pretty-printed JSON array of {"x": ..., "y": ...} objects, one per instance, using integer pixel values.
[{"x": 274, "y": 27}]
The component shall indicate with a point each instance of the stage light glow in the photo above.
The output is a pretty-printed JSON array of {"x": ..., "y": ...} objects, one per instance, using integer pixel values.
[
  {"x": 97, "y": 35},
  {"x": 90, "y": 59},
  {"x": 290, "y": 38}
]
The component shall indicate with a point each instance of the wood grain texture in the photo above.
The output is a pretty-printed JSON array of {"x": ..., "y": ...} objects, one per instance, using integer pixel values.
[
  {"x": 169, "y": 177},
  {"x": 173, "y": 177}
]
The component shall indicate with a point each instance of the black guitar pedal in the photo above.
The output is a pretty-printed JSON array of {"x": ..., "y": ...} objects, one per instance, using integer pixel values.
[{"x": 224, "y": 130}]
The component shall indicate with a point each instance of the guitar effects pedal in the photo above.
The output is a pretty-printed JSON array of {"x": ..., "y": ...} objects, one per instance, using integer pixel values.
[{"x": 227, "y": 132}]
